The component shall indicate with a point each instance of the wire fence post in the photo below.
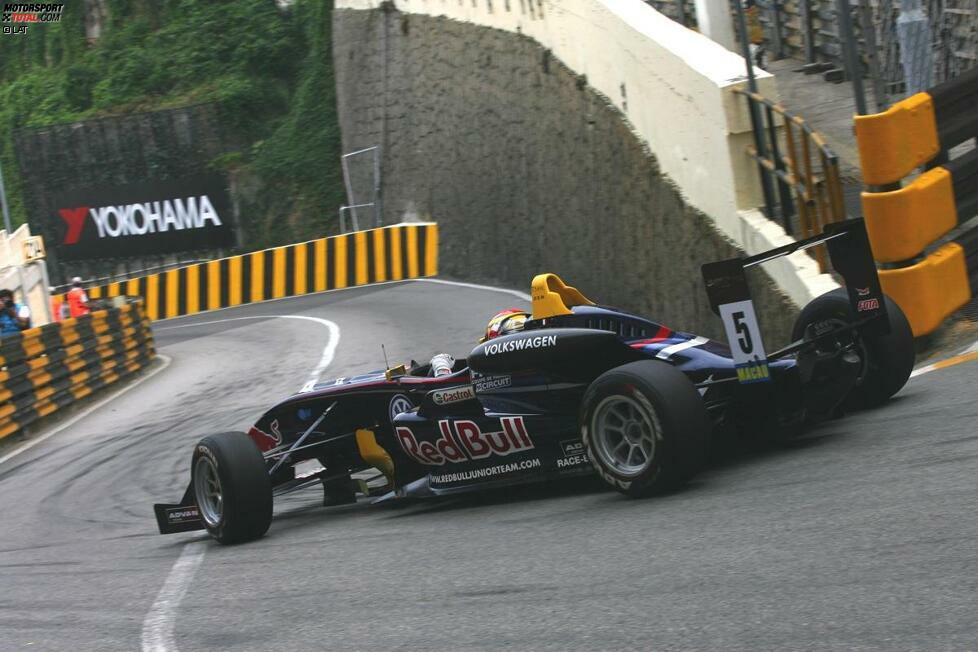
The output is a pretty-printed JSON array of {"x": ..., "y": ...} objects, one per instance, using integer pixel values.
[
  {"x": 755, "y": 116},
  {"x": 850, "y": 51},
  {"x": 872, "y": 54}
]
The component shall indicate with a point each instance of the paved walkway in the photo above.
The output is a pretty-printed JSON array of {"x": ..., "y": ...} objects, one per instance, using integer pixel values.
[{"x": 829, "y": 108}]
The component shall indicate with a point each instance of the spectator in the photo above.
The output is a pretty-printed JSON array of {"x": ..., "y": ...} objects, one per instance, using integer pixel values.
[
  {"x": 59, "y": 308},
  {"x": 14, "y": 317},
  {"x": 77, "y": 299}
]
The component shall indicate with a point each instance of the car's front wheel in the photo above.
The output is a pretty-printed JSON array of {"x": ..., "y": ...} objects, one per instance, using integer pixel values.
[
  {"x": 644, "y": 427},
  {"x": 232, "y": 487}
]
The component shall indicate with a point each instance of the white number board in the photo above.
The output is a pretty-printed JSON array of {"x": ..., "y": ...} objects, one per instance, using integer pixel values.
[
  {"x": 744, "y": 337},
  {"x": 33, "y": 248}
]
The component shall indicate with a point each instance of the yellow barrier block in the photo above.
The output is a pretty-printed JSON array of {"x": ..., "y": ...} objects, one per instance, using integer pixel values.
[
  {"x": 431, "y": 251},
  {"x": 893, "y": 143},
  {"x": 192, "y": 290},
  {"x": 278, "y": 272},
  {"x": 930, "y": 290},
  {"x": 903, "y": 222},
  {"x": 380, "y": 256},
  {"x": 360, "y": 251},
  {"x": 319, "y": 254},
  {"x": 213, "y": 285},
  {"x": 299, "y": 267},
  {"x": 172, "y": 289},
  {"x": 412, "y": 250},
  {"x": 153, "y": 296},
  {"x": 7, "y": 428},
  {"x": 396, "y": 262},
  {"x": 234, "y": 281},
  {"x": 257, "y": 276},
  {"x": 340, "y": 253}
]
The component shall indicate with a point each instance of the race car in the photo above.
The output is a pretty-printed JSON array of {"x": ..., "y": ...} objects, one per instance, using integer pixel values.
[{"x": 581, "y": 388}]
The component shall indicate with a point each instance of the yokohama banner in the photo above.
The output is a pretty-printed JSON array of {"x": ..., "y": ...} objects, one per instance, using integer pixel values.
[{"x": 145, "y": 218}]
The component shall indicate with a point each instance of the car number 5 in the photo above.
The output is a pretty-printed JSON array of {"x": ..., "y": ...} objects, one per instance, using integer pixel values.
[{"x": 743, "y": 331}]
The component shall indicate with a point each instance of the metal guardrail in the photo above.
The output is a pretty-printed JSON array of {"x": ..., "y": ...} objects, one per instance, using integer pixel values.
[{"x": 795, "y": 159}]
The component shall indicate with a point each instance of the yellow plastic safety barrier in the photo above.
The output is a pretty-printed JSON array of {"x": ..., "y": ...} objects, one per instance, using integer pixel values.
[{"x": 931, "y": 290}]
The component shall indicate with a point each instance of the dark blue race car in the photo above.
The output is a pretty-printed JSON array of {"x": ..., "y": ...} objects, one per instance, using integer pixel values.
[{"x": 581, "y": 388}]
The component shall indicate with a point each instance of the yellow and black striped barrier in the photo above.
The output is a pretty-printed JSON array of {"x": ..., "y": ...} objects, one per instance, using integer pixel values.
[
  {"x": 906, "y": 222},
  {"x": 48, "y": 368},
  {"x": 390, "y": 253}
]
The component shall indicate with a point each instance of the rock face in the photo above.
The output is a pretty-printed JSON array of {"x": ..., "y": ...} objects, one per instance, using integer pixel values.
[{"x": 525, "y": 168}]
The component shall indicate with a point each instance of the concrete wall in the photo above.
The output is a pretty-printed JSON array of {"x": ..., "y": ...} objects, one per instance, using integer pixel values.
[{"x": 529, "y": 165}]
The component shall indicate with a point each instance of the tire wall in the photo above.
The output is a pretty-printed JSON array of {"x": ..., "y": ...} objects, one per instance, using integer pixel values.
[{"x": 527, "y": 168}]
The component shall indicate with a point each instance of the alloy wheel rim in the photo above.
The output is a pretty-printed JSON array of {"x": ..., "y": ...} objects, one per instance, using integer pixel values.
[
  {"x": 207, "y": 489},
  {"x": 625, "y": 435}
]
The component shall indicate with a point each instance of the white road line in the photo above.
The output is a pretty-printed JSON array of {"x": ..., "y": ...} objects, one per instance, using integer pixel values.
[
  {"x": 476, "y": 286},
  {"x": 940, "y": 364},
  {"x": 78, "y": 417},
  {"x": 158, "y": 626},
  {"x": 328, "y": 352}
]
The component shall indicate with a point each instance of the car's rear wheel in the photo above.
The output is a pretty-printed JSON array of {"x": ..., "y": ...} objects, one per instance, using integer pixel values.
[
  {"x": 644, "y": 427},
  {"x": 887, "y": 359},
  {"x": 232, "y": 487}
]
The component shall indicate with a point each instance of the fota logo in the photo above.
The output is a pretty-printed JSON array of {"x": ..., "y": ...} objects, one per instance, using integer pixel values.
[
  {"x": 464, "y": 440},
  {"x": 453, "y": 395},
  {"x": 140, "y": 219},
  {"x": 862, "y": 291},
  {"x": 867, "y": 304}
]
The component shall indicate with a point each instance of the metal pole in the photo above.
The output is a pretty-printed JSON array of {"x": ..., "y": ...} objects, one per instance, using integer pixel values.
[
  {"x": 3, "y": 204},
  {"x": 755, "y": 116},
  {"x": 346, "y": 180},
  {"x": 850, "y": 52},
  {"x": 872, "y": 54},
  {"x": 808, "y": 31},
  {"x": 47, "y": 289},
  {"x": 378, "y": 216}
]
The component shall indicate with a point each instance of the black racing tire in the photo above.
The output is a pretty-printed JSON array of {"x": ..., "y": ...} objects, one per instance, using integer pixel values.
[
  {"x": 888, "y": 359},
  {"x": 230, "y": 464},
  {"x": 633, "y": 405}
]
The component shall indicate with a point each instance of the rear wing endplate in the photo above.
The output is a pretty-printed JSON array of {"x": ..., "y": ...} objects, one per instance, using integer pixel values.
[{"x": 730, "y": 298}]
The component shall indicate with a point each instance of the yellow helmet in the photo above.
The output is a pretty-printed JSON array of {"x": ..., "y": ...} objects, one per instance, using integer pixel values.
[{"x": 505, "y": 322}]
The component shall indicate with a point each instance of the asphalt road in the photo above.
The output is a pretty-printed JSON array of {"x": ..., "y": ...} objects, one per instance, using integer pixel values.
[{"x": 860, "y": 535}]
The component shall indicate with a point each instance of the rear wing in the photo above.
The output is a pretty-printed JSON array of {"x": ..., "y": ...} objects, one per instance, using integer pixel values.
[{"x": 730, "y": 298}]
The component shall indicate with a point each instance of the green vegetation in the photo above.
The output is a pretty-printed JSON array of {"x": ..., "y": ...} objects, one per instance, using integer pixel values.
[{"x": 268, "y": 69}]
